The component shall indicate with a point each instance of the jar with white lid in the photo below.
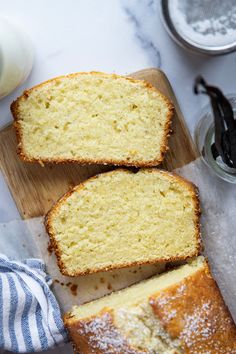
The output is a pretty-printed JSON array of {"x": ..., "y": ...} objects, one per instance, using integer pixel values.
[{"x": 16, "y": 56}]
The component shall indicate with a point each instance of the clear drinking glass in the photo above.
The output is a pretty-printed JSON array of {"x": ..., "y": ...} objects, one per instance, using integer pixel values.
[{"x": 205, "y": 136}]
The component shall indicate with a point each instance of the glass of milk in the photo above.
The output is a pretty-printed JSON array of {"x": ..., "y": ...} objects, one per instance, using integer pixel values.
[{"x": 16, "y": 56}]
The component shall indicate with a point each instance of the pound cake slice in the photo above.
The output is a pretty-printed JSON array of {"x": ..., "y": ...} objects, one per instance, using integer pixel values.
[
  {"x": 120, "y": 218},
  {"x": 180, "y": 311},
  {"x": 93, "y": 118}
]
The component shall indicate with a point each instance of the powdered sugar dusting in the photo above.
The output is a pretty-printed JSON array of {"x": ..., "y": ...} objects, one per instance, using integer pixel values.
[
  {"x": 104, "y": 336},
  {"x": 143, "y": 329},
  {"x": 194, "y": 312},
  {"x": 138, "y": 332},
  {"x": 164, "y": 298},
  {"x": 198, "y": 323},
  {"x": 200, "y": 330},
  {"x": 171, "y": 314}
]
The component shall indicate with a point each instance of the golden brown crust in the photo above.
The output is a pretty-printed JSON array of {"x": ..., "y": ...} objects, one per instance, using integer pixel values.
[
  {"x": 98, "y": 335},
  {"x": 23, "y": 155},
  {"x": 48, "y": 222},
  {"x": 194, "y": 311}
]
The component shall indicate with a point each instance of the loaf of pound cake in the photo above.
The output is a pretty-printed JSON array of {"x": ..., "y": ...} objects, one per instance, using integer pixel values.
[
  {"x": 181, "y": 311},
  {"x": 121, "y": 218},
  {"x": 93, "y": 118}
]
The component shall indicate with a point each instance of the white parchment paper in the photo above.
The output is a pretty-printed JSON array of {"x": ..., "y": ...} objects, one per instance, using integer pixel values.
[
  {"x": 218, "y": 226},
  {"x": 24, "y": 239}
]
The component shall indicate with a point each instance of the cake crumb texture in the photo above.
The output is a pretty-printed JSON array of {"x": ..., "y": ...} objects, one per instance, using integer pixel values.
[
  {"x": 93, "y": 118},
  {"x": 121, "y": 218}
]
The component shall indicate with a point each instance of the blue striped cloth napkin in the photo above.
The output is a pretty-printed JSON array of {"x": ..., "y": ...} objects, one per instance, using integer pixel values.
[{"x": 30, "y": 318}]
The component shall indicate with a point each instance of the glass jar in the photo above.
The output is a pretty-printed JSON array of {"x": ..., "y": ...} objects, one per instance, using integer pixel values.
[
  {"x": 205, "y": 136},
  {"x": 203, "y": 26}
]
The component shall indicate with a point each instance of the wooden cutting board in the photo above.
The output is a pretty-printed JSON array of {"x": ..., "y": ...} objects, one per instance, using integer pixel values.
[{"x": 35, "y": 188}]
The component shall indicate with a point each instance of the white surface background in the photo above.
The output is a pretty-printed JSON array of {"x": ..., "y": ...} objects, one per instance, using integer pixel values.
[
  {"x": 109, "y": 35},
  {"x": 119, "y": 36}
]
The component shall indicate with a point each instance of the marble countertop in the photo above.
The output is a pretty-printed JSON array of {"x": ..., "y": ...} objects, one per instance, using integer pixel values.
[{"x": 118, "y": 36}]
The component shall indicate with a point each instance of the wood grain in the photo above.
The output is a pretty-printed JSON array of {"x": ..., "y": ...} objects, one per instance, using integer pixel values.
[{"x": 35, "y": 188}]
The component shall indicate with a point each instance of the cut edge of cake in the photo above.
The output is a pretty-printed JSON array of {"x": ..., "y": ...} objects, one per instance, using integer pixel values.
[
  {"x": 197, "y": 212},
  {"x": 135, "y": 163}
]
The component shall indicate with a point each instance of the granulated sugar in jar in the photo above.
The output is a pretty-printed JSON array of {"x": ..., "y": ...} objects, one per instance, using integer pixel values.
[{"x": 203, "y": 26}]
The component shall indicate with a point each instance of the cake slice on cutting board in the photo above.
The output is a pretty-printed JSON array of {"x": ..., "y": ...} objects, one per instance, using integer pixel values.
[
  {"x": 180, "y": 311},
  {"x": 120, "y": 219},
  {"x": 92, "y": 118}
]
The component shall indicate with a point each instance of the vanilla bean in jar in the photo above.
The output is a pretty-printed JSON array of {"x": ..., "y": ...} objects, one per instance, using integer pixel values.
[{"x": 215, "y": 133}]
